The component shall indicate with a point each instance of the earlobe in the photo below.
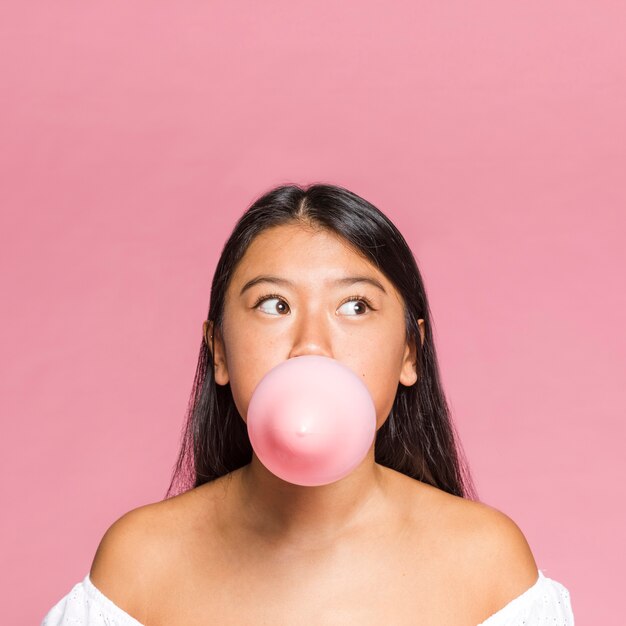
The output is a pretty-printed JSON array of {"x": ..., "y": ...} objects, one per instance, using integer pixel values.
[
  {"x": 409, "y": 375},
  {"x": 409, "y": 380},
  {"x": 220, "y": 371}
]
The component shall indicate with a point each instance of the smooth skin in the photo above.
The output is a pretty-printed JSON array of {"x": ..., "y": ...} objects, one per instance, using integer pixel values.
[{"x": 374, "y": 547}]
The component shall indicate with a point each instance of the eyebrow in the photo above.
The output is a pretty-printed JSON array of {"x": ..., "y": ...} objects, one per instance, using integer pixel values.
[{"x": 347, "y": 280}]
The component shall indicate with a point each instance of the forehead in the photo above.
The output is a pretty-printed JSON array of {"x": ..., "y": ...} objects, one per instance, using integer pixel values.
[{"x": 301, "y": 253}]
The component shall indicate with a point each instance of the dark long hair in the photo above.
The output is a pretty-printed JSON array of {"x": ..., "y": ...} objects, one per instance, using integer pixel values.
[{"x": 418, "y": 438}]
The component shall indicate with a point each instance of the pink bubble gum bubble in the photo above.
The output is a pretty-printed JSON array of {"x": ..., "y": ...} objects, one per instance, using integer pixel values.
[{"x": 311, "y": 420}]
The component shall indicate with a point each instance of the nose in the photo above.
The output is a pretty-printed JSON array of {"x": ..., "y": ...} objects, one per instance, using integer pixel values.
[
  {"x": 312, "y": 336},
  {"x": 309, "y": 349}
]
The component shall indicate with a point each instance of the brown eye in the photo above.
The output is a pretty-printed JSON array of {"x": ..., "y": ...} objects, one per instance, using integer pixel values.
[
  {"x": 363, "y": 302},
  {"x": 269, "y": 296}
]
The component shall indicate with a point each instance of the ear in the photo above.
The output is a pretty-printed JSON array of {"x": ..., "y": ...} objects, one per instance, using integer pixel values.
[
  {"x": 215, "y": 344},
  {"x": 408, "y": 373}
]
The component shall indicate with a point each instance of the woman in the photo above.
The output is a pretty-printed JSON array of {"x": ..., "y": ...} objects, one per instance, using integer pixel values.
[{"x": 400, "y": 540}]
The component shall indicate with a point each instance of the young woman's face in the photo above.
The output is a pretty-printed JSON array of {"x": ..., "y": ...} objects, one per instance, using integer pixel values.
[{"x": 312, "y": 315}]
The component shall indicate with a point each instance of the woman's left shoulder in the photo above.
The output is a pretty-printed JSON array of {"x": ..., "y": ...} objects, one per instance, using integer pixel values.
[
  {"x": 494, "y": 538},
  {"x": 490, "y": 546}
]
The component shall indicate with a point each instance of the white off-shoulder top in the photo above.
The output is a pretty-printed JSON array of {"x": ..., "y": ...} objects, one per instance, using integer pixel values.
[{"x": 546, "y": 602}]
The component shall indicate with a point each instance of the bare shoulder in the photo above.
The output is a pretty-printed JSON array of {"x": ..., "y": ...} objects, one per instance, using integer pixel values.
[
  {"x": 491, "y": 550},
  {"x": 129, "y": 555},
  {"x": 506, "y": 559}
]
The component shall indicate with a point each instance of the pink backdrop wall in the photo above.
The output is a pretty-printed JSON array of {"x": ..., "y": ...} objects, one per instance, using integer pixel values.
[{"x": 134, "y": 135}]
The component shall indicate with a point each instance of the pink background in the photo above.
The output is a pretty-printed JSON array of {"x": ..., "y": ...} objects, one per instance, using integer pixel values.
[{"x": 134, "y": 134}]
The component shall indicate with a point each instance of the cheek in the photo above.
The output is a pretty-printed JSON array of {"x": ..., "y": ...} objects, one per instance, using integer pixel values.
[
  {"x": 237, "y": 389},
  {"x": 239, "y": 374},
  {"x": 246, "y": 368},
  {"x": 381, "y": 375}
]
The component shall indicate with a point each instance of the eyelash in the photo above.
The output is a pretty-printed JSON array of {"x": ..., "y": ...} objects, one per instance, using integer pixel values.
[{"x": 275, "y": 295}]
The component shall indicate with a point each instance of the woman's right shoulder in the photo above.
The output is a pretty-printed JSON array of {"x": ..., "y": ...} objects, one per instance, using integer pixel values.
[{"x": 134, "y": 550}]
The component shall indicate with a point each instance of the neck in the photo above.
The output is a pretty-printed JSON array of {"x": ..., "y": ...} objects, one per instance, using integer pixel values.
[{"x": 299, "y": 516}]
